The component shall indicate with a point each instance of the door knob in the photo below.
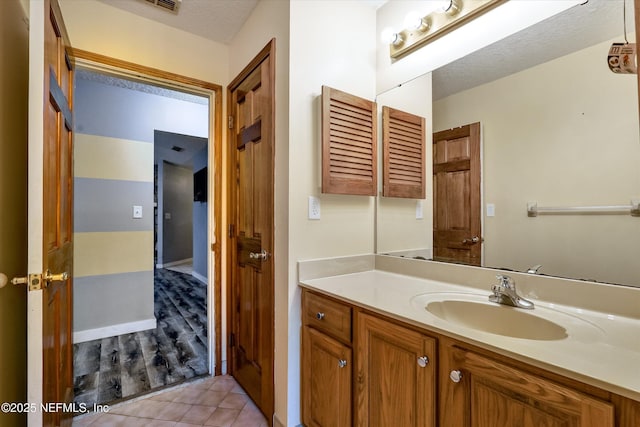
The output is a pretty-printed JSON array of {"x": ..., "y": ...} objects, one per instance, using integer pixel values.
[
  {"x": 456, "y": 376},
  {"x": 423, "y": 361},
  {"x": 35, "y": 281},
  {"x": 60, "y": 277},
  {"x": 263, "y": 255},
  {"x": 471, "y": 241},
  {"x": 15, "y": 281}
]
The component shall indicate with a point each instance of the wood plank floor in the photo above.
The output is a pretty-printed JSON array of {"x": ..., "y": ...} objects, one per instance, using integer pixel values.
[{"x": 111, "y": 369}]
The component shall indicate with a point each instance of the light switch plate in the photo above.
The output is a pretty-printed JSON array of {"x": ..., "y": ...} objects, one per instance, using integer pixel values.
[
  {"x": 419, "y": 210},
  {"x": 137, "y": 212},
  {"x": 491, "y": 209},
  {"x": 314, "y": 207}
]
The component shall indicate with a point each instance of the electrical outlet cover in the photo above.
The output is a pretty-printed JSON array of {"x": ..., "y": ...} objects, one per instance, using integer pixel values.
[
  {"x": 419, "y": 210},
  {"x": 314, "y": 207}
]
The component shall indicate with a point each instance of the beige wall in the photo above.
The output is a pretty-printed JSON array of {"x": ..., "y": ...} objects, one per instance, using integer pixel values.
[
  {"x": 397, "y": 228},
  {"x": 100, "y": 28},
  {"x": 13, "y": 205},
  {"x": 564, "y": 133},
  {"x": 338, "y": 50}
]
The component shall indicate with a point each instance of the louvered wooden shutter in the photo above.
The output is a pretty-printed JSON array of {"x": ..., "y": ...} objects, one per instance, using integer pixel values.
[
  {"x": 349, "y": 144},
  {"x": 403, "y": 144}
]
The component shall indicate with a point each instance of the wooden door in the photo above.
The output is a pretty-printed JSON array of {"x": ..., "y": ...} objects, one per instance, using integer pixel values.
[
  {"x": 50, "y": 232},
  {"x": 326, "y": 381},
  {"x": 252, "y": 276},
  {"x": 457, "y": 225},
  {"x": 491, "y": 394},
  {"x": 396, "y": 375}
]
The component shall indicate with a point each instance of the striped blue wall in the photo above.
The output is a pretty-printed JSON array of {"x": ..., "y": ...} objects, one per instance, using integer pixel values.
[{"x": 113, "y": 168}]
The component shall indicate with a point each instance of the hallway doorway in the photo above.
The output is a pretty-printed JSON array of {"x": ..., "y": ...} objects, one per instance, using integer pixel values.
[{"x": 171, "y": 337}]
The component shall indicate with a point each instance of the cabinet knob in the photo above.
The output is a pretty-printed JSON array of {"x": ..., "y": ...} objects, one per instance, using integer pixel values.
[
  {"x": 456, "y": 376},
  {"x": 423, "y": 361},
  {"x": 342, "y": 363},
  {"x": 319, "y": 315}
]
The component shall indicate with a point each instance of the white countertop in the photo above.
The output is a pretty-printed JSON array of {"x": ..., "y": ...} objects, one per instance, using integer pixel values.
[{"x": 601, "y": 349}]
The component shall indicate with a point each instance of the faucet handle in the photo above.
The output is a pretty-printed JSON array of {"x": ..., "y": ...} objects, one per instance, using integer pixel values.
[{"x": 506, "y": 281}]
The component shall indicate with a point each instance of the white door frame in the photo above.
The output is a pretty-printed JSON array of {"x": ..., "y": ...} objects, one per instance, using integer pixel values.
[{"x": 35, "y": 190}]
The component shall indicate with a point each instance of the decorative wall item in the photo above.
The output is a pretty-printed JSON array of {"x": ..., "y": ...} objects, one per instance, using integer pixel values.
[
  {"x": 349, "y": 144},
  {"x": 403, "y": 148}
]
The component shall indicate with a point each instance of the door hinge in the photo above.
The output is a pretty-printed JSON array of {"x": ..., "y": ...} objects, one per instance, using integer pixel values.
[
  {"x": 232, "y": 230},
  {"x": 230, "y": 122},
  {"x": 232, "y": 340}
]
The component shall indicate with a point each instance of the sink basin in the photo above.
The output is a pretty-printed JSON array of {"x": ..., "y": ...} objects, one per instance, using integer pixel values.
[
  {"x": 474, "y": 311},
  {"x": 497, "y": 319}
]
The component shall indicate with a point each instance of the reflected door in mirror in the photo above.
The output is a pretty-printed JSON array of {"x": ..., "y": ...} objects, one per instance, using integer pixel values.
[{"x": 456, "y": 188}]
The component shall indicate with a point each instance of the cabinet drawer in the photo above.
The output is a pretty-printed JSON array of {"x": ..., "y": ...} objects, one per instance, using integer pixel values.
[{"x": 327, "y": 315}]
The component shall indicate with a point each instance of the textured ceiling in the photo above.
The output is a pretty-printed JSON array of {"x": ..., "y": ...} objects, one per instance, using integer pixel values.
[
  {"x": 217, "y": 20},
  {"x": 577, "y": 28},
  {"x": 106, "y": 79}
]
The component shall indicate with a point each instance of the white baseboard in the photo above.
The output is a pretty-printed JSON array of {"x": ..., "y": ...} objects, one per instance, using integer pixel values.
[
  {"x": 113, "y": 330},
  {"x": 172, "y": 263},
  {"x": 200, "y": 277}
]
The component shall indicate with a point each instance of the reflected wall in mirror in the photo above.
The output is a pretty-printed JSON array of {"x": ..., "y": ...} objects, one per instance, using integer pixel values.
[{"x": 558, "y": 128}]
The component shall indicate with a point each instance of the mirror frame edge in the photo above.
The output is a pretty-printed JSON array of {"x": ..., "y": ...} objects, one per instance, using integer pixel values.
[{"x": 636, "y": 11}]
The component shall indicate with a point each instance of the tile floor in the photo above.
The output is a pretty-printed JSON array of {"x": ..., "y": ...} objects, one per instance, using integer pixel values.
[{"x": 214, "y": 401}]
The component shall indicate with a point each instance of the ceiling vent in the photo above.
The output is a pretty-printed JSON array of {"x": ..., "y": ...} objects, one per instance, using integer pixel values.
[{"x": 169, "y": 5}]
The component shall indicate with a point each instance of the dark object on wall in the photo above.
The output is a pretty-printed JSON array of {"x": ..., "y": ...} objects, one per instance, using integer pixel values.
[{"x": 200, "y": 185}]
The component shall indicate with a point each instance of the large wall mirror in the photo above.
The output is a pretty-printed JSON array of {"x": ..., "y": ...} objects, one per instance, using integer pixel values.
[{"x": 558, "y": 128}]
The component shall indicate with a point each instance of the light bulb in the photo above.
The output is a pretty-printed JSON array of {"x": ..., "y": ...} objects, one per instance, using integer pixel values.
[
  {"x": 389, "y": 36},
  {"x": 414, "y": 21},
  {"x": 444, "y": 5},
  {"x": 451, "y": 7}
]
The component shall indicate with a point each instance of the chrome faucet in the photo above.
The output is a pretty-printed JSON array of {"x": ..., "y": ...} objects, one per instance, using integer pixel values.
[
  {"x": 534, "y": 269},
  {"x": 505, "y": 293}
]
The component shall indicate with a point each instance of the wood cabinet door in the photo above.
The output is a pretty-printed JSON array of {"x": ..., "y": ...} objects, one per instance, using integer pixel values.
[
  {"x": 326, "y": 381},
  {"x": 491, "y": 394},
  {"x": 396, "y": 375}
]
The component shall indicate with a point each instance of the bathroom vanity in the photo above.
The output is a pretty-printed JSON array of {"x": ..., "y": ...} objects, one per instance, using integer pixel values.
[{"x": 381, "y": 348}]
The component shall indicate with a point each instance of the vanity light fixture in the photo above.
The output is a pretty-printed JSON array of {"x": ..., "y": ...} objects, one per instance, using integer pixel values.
[
  {"x": 391, "y": 37},
  {"x": 452, "y": 7},
  {"x": 445, "y": 17},
  {"x": 414, "y": 21}
]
